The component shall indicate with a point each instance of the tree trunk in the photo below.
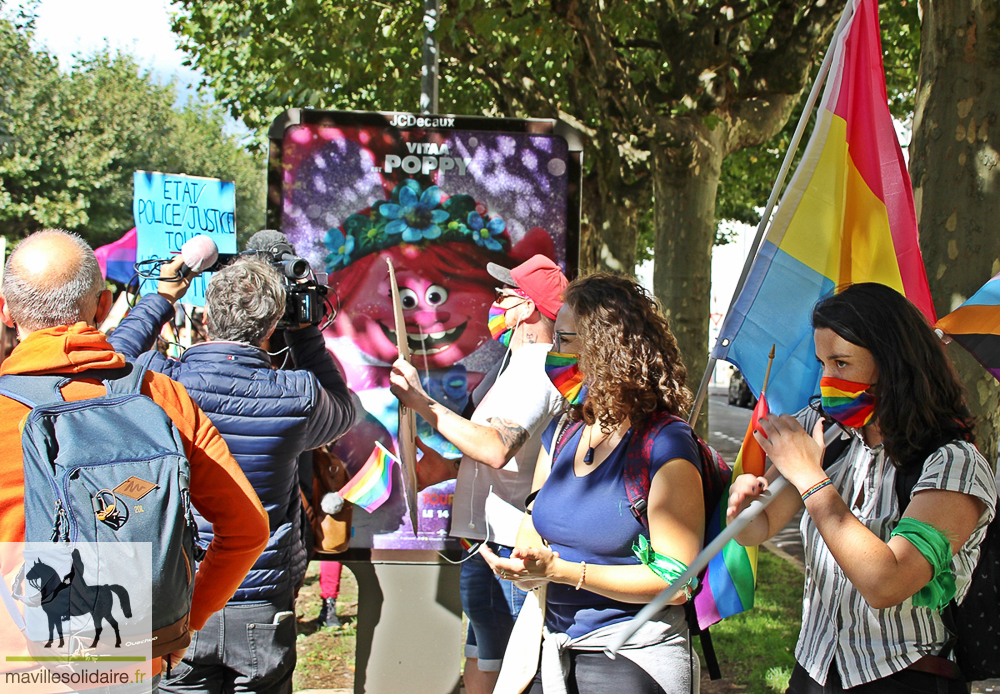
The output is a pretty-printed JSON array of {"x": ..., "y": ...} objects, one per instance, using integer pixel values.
[
  {"x": 954, "y": 167},
  {"x": 685, "y": 181}
]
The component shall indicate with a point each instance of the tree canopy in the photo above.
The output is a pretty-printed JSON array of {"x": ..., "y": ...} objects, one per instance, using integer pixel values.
[
  {"x": 679, "y": 100},
  {"x": 515, "y": 59},
  {"x": 72, "y": 140}
]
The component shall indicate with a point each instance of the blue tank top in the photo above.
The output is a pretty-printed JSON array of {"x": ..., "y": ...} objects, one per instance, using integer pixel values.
[{"x": 588, "y": 519}]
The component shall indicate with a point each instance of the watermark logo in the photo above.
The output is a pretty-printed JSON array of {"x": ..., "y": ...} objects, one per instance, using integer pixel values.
[
  {"x": 77, "y": 614},
  {"x": 71, "y": 596}
]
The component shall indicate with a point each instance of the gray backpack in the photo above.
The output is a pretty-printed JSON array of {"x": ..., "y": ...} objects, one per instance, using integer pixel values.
[{"x": 103, "y": 477}]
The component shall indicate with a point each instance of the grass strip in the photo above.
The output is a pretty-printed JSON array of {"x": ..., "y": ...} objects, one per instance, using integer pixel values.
[{"x": 756, "y": 649}]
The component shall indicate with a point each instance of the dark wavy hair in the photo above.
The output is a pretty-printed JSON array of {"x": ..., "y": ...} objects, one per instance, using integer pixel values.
[
  {"x": 919, "y": 400},
  {"x": 627, "y": 352}
]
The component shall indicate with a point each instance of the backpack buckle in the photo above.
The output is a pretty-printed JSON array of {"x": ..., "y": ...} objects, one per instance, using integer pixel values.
[{"x": 638, "y": 509}]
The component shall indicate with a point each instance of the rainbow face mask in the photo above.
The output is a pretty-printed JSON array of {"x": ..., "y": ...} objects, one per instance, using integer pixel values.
[
  {"x": 498, "y": 325},
  {"x": 848, "y": 402},
  {"x": 564, "y": 372}
]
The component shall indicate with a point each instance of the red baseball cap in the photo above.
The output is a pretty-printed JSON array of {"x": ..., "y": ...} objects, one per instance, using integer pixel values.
[{"x": 539, "y": 278}]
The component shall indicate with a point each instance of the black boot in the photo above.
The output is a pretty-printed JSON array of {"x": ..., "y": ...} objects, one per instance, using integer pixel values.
[{"x": 328, "y": 613}]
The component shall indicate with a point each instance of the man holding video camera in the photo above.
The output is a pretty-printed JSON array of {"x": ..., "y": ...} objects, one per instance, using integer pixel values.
[{"x": 268, "y": 418}]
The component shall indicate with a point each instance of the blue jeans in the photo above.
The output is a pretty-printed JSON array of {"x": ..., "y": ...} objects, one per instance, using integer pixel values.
[
  {"x": 491, "y": 604},
  {"x": 245, "y": 647}
]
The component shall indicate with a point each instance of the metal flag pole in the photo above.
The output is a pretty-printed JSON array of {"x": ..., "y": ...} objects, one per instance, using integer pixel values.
[
  {"x": 657, "y": 604},
  {"x": 765, "y": 218}
]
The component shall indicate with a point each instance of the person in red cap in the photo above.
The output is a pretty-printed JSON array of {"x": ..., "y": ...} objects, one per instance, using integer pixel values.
[{"x": 499, "y": 446}]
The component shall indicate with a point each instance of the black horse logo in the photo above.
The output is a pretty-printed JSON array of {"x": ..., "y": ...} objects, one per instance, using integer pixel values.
[{"x": 70, "y": 596}]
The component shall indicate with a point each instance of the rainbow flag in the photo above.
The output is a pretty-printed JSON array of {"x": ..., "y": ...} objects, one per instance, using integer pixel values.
[
  {"x": 117, "y": 259},
  {"x": 731, "y": 576},
  {"x": 751, "y": 457},
  {"x": 976, "y": 325},
  {"x": 371, "y": 485},
  {"x": 846, "y": 216}
]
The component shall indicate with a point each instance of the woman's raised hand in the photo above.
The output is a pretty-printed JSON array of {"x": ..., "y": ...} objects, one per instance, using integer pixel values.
[{"x": 796, "y": 454}]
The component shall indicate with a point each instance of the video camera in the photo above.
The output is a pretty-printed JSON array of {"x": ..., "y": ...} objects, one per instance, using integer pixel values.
[{"x": 305, "y": 298}]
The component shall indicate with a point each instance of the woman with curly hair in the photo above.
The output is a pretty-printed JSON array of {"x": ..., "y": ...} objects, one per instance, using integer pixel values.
[
  {"x": 882, "y": 563},
  {"x": 601, "y": 556}
]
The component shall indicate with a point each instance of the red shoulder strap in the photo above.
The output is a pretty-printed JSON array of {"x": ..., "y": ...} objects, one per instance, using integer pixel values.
[{"x": 638, "y": 461}]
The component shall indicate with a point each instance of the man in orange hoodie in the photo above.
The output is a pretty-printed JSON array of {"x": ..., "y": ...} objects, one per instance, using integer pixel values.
[{"x": 55, "y": 296}]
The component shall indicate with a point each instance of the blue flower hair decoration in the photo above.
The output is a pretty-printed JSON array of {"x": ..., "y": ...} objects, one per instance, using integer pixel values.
[{"x": 413, "y": 215}]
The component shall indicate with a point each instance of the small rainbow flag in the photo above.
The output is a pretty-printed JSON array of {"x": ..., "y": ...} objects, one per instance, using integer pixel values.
[
  {"x": 976, "y": 325},
  {"x": 565, "y": 373},
  {"x": 841, "y": 401},
  {"x": 371, "y": 485},
  {"x": 751, "y": 456},
  {"x": 731, "y": 576}
]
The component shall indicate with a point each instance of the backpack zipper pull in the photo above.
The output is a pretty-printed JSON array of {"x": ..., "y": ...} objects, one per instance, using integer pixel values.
[{"x": 60, "y": 529}]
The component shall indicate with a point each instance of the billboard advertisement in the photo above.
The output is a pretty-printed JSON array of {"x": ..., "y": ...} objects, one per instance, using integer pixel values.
[{"x": 439, "y": 197}]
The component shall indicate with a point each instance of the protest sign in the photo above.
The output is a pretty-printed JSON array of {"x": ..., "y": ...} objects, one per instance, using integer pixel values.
[{"x": 171, "y": 209}]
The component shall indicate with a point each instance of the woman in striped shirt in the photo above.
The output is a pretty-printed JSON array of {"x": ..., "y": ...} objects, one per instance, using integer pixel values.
[{"x": 879, "y": 570}]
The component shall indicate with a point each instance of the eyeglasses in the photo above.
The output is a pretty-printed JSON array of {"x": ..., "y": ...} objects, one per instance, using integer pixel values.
[
  {"x": 501, "y": 294},
  {"x": 560, "y": 334}
]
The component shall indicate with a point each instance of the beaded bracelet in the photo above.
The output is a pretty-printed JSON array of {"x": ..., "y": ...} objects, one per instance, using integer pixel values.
[
  {"x": 583, "y": 575},
  {"x": 815, "y": 488}
]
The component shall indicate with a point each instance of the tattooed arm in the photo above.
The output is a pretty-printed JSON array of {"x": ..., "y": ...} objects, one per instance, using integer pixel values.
[
  {"x": 511, "y": 433},
  {"x": 492, "y": 444}
]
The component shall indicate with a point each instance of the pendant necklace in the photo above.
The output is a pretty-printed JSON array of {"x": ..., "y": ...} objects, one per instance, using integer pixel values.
[{"x": 588, "y": 457}]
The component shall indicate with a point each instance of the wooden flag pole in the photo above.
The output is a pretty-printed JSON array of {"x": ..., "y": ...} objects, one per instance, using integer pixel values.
[
  {"x": 407, "y": 433},
  {"x": 767, "y": 373}
]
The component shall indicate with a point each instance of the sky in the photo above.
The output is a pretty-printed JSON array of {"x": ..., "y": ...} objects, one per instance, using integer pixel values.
[{"x": 69, "y": 28}]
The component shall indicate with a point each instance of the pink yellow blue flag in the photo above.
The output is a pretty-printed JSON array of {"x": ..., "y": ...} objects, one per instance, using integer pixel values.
[
  {"x": 371, "y": 485},
  {"x": 847, "y": 216}
]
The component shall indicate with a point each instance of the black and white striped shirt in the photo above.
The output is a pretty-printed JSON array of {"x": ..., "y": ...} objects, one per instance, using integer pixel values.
[{"x": 837, "y": 622}]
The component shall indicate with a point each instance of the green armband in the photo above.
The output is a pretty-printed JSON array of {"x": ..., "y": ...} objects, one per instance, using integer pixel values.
[
  {"x": 936, "y": 549},
  {"x": 667, "y": 568}
]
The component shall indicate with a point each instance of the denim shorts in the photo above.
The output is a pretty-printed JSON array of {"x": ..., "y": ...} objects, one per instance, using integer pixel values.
[{"x": 491, "y": 604}]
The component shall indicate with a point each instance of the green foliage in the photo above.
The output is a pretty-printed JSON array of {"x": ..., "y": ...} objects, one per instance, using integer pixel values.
[
  {"x": 627, "y": 71},
  {"x": 749, "y": 174},
  {"x": 268, "y": 55},
  {"x": 74, "y": 139}
]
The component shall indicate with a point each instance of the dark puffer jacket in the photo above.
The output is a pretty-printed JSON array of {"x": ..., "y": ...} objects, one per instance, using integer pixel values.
[{"x": 267, "y": 417}]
